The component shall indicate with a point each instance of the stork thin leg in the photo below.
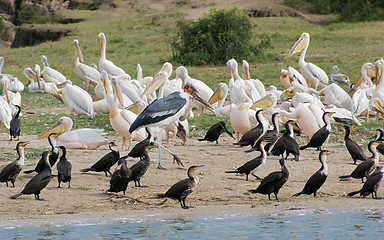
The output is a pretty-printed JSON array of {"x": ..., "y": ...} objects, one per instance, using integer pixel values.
[{"x": 158, "y": 143}]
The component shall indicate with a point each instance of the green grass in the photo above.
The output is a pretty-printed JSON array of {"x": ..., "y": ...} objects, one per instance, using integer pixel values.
[{"x": 144, "y": 38}]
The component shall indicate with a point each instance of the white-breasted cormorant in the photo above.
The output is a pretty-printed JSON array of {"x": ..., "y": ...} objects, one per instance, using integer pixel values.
[
  {"x": 353, "y": 148},
  {"x": 286, "y": 144},
  {"x": 106, "y": 162},
  {"x": 183, "y": 188},
  {"x": 10, "y": 172},
  {"x": 215, "y": 131},
  {"x": 273, "y": 182},
  {"x": 366, "y": 167},
  {"x": 254, "y": 134},
  {"x": 372, "y": 184},
  {"x": 253, "y": 164},
  {"x": 321, "y": 135},
  {"x": 379, "y": 138},
  {"x": 64, "y": 168},
  {"x": 140, "y": 168},
  {"x": 318, "y": 178},
  {"x": 14, "y": 125},
  {"x": 38, "y": 182}
]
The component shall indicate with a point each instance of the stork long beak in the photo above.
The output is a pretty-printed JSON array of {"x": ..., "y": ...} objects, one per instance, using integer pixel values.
[
  {"x": 78, "y": 50},
  {"x": 196, "y": 95},
  {"x": 156, "y": 82},
  {"x": 298, "y": 46},
  {"x": 216, "y": 96},
  {"x": 58, "y": 127}
]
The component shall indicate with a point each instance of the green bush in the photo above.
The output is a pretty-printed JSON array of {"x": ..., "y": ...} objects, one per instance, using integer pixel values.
[
  {"x": 31, "y": 14},
  {"x": 85, "y": 4},
  {"x": 216, "y": 38}
]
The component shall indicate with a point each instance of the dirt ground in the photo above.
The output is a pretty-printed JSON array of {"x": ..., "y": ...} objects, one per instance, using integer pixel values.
[{"x": 216, "y": 189}]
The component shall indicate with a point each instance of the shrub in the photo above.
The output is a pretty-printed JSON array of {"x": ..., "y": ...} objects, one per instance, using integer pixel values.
[
  {"x": 216, "y": 38},
  {"x": 31, "y": 14}
]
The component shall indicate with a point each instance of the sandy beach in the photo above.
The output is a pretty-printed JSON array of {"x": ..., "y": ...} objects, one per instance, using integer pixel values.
[{"x": 216, "y": 193}]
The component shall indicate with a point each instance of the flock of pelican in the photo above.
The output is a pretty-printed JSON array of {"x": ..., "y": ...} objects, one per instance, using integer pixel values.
[{"x": 124, "y": 99}]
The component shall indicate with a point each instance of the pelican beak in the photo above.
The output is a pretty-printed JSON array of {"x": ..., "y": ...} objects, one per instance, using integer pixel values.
[
  {"x": 298, "y": 46},
  {"x": 57, "y": 127},
  {"x": 134, "y": 107},
  {"x": 78, "y": 50},
  {"x": 156, "y": 82},
  {"x": 288, "y": 94},
  {"x": 117, "y": 91},
  {"x": 216, "y": 96},
  {"x": 263, "y": 102},
  {"x": 378, "y": 73},
  {"x": 377, "y": 107},
  {"x": 100, "y": 45}
]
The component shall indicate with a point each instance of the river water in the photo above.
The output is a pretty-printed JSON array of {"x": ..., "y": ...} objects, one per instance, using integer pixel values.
[{"x": 293, "y": 224}]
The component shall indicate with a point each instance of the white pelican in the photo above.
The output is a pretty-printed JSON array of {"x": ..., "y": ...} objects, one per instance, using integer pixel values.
[
  {"x": 86, "y": 73},
  {"x": 379, "y": 90},
  {"x": 375, "y": 104},
  {"x": 242, "y": 119},
  {"x": 77, "y": 100},
  {"x": 16, "y": 85},
  {"x": 10, "y": 76},
  {"x": 51, "y": 75},
  {"x": 304, "y": 118},
  {"x": 52, "y": 89},
  {"x": 5, "y": 113},
  {"x": 122, "y": 119},
  {"x": 219, "y": 96},
  {"x": 10, "y": 97},
  {"x": 159, "y": 81},
  {"x": 84, "y": 138},
  {"x": 268, "y": 104},
  {"x": 338, "y": 78},
  {"x": 103, "y": 106},
  {"x": 104, "y": 64},
  {"x": 36, "y": 84},
  {"x": 335, "y": 95},
  {"x": 255, "y": 82},
  {"x": 312, "y": 73}
]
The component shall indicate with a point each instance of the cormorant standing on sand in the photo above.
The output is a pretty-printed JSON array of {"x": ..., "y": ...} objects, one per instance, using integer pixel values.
[
  {"x": 271, "y": 136},
  {"x": 140, "y": 168},
  {"x": 53, "y": 156},
  {"x": 38, "y": 182},
  {"x": 183, "y": 188},
  {"x": 366, "y": 167},
  {"x": 215, "y": 131},
  {"x": 273, "y": 182},
  {"x": 372, "y": 184},
  {"x": 318, "y": 178},
  {"x": 353, "y": 148},
  {"x": 120, "y": 178},
  {"x": 64, "y": 168},
  {"x": 286, "y": 143},
  {"x": 14, "y": 125},
  {"x": 106, "y": 162},
  {"x": 321, "y": 135},
  {"x": 253, "y": 164},
  {"x": 254, "y": 134},
  {"x": 10, "y": 172}
]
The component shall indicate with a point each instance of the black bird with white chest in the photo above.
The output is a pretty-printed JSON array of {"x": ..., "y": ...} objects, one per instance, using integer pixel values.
[
  {"x": 318, "y": 178},
  {"x": 12, "y": 170},
  {"x": 254, "y": 134},
  {"x": 286, "y": 144},
  {"x": 372, "y": 184},
  {"x": 319, "y": 138}
]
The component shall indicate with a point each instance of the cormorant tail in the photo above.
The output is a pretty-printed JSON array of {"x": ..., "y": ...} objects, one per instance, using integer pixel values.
[
  {"x": 235, "y": 171},
  {"x": 303, "y": 147},
  {"x": 297, "y": 194},
  {"x": 16, "y": 196},
  {"x": 161, "y": 195},
  {"x": 253, "y": 191},
  {"x": 201, "y": 139},
  {"x": 353, "y": 193},
  {"x": 296, "y": 158},
  {"x": 29, "y": 171},
  {"x": 346, "y": 176},
  {"x": 86, "y": 170}
]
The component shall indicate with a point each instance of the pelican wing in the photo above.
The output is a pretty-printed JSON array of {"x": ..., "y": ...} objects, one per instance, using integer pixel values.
[
  {"x": 78, "y": 100},
  {"x": 83, "y": 138},
  {"x": 318, "y": 73}
]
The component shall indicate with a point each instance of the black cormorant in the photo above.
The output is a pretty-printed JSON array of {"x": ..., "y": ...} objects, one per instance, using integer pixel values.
[
  {"x": 286, "y": 144},
  {"x": 10, "y": 172},
  {"x": 253, "y": 164},
  {"x": 106, "y": 162},
  {"x": 120, "y": 177},
  {"x": 140, "y": 168},
  {"x": 38, "y": 182},
  {"x": 321, "y": 135},
  {"x": 273, "y": 182},
  {"x": 372, "y": 184},
  {"x": 14, "y": 129},
  {"x": 366, "y": 167},
  {"x": 215, "y": 131},
  {"x": 318, "y": 178},
  {"x": 353, "y": 148},
  {"x": 254, "y": 134},
  {"x": 64, "y": 168},
  {"x": 183, "y": 188},
  {"x": 270, "y": 136},
  {"x": 53, "y": 156}
]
